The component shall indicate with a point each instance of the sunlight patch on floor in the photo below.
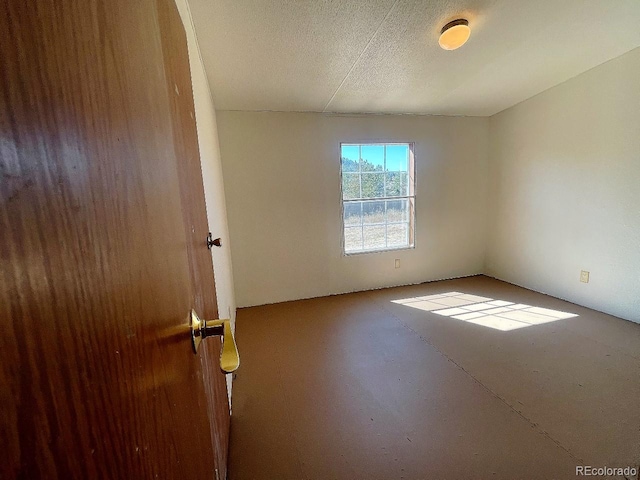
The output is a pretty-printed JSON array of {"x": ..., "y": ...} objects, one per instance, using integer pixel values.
[{"x": 498, "y": 314}]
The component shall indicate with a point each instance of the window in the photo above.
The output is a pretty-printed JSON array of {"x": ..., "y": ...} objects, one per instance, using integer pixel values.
[{"x": 378, "y": 196}]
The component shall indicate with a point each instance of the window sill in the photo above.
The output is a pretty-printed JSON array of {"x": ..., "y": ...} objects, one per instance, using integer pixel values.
[{"x": 392, "y": 249}]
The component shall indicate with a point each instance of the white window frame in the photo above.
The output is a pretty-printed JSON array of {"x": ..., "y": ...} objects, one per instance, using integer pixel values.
[{"x": 410, "y": 198}]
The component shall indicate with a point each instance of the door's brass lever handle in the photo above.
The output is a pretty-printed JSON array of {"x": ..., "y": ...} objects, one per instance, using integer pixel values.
[{"x": 200, "y": 329}]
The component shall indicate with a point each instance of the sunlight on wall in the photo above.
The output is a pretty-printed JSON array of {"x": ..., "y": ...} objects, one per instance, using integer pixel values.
[{"x": 498, "y": 314}]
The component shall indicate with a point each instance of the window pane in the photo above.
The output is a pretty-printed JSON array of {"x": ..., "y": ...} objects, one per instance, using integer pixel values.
[
  {"x": 350, "y": 155},
  {"x": 352, "y": 239},
  {"x": 398, "y": 235},
  {"x": 374, "y": 176},
  {"x": 373, "y": 212},
  {"x": 353, "y": 213},
  {"x": 398, "y": 158},
  {"x": 397, "y": 184},
  {"x": 374, "y": 237},
  {"x": 372, "y": 185},
  {"x": 372, "y": 158},
  {"x": 350, "y": 185},
  {"x": 398, "y": 210}
]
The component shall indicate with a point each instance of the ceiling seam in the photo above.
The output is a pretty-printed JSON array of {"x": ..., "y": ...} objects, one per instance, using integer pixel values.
[{"x": 360, "y": 56}]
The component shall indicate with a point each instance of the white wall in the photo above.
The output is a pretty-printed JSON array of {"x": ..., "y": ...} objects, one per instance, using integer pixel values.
[
  {"x": 565, "y": 190},
  {"x": 211, "y": 173},
  {"x": 282, "y": 182}
]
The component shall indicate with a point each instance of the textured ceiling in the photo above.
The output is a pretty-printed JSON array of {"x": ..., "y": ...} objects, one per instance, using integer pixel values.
[{"x": 382, "y": 56}]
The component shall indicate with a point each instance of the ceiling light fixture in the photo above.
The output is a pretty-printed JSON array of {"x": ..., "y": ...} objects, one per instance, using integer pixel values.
[{"x": 454, "y": 34}]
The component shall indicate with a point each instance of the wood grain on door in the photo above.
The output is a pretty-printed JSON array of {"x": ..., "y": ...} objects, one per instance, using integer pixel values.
[{"x": 98, "y": 271}]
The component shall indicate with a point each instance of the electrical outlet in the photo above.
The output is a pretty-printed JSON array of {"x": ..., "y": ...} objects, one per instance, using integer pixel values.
[
  {"x": 584, "y": 276},
  {"x": 397, "y": 263}
]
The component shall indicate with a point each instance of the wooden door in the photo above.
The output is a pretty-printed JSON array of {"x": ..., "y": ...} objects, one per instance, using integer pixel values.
[
  {"x": 178, "y": 78},
  {"x": 102, "y": 248}
]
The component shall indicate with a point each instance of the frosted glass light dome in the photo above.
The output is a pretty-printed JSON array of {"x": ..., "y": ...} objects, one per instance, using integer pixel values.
[{"x": 454, "y": 34}]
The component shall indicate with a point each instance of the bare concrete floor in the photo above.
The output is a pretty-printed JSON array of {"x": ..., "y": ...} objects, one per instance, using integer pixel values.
[{"x": 360, "y": 386}]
